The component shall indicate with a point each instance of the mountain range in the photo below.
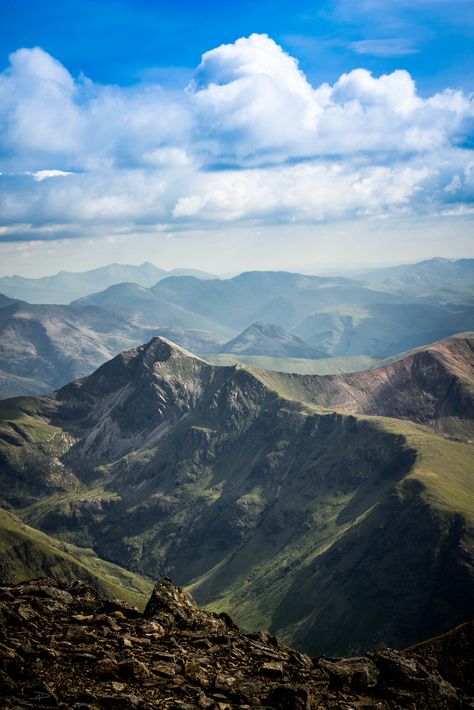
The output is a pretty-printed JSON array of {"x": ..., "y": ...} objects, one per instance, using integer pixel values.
[
  {"x": 68, "y": 285},
  {"x": 282, "y": 317},
  {"x": 337, "y": 511}
]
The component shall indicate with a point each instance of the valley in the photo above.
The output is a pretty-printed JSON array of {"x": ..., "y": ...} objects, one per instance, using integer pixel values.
[{"x": 330, "y": 510}]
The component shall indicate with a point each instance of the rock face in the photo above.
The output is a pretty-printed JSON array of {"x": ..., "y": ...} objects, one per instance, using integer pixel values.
[{"x": 62, "y": 646}]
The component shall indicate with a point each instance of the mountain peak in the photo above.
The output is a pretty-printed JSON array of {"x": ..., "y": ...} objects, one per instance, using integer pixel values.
[{"x": 160, "y": 349}]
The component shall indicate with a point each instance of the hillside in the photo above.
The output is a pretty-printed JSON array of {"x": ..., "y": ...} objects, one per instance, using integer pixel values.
[
  {"x": 151, "y": 308},
  {"x": 292, "y": 516},
  {"x": 381, "y": 329},
  {"x": 65, "y": 646},
  {"x": 26, "y": 552},
  {"x": 301, "y": 366},
  {"x": 433, "y": 386}
]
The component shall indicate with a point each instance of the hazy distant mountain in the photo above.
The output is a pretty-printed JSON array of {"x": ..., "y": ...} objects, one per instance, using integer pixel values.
[
  {"x": 153, "y": 309},
  {"x": 338, "y": 532},
  {"x": 271, "y": 296},
  {"x": 270, "y": 340},
  {"x": 66, "y": 286},
  {"x": 6, "y": 301},
  {"x": 50, "y": 345},
  {"x": 44, "y": 346},
  {"x": 442, "y": 280},
  {"x": 382, "y": 329}
]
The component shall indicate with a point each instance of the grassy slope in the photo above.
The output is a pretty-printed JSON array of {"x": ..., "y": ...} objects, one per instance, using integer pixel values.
[
  {"x": 321, "y": 570},
  {"x": 26, "y": 552},
  {"x": 301, "y": 366}
]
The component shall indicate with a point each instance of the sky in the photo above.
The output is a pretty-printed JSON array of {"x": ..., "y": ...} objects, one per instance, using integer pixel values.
[{"x": 311, "y": 136}]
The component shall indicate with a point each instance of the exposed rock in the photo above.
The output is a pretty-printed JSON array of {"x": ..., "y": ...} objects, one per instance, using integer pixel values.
[{"x": 179, "y": 656}]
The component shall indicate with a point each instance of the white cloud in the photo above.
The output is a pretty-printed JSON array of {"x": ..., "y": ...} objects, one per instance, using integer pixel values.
[
  {"x": 301, "y": 193},
  {"x": 45, "y": 174},
  {"x": 249, "y": 139},
  {"x": 390, "y": 47}
]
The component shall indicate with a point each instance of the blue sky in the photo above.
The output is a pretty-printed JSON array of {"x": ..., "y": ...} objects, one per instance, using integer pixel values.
[
  {"x": 122, "y": 42},
  {"x": 161, "y": 130}
]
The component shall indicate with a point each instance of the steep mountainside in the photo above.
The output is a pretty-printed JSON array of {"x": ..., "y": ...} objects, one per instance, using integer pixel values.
[
  {"x": 66, "y": 647},
  {"x": 269, "y": 340},
  {"x": 338, "y": 532},
  {"x": 26, "y": 552}
]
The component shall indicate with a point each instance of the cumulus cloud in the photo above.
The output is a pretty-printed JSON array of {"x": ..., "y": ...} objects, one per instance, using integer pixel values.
[{"x": 249, "y": 138}]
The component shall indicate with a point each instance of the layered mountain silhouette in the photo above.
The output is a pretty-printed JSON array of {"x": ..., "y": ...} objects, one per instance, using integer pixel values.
[
  {"x": 279, "y": 316},
  {"x": 334, "y": 511},
  {"x": 68, "y": 285}
]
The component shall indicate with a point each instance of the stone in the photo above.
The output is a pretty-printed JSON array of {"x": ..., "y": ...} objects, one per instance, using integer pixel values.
[
  {"x": 132, "y": 669},
  {"x": 179, "y": 656}
]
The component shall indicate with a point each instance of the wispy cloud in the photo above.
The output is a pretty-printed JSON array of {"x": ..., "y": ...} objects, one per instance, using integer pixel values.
[{"x": 394, "y": 47}]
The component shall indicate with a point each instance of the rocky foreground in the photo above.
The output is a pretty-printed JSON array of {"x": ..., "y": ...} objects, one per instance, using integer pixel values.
[{"x": 62, "y": 646}]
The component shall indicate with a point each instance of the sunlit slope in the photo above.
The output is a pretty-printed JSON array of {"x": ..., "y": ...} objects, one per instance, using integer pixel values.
[{"x": 27, "y": 553}]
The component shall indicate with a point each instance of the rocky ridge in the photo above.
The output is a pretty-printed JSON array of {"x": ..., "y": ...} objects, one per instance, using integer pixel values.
[{"x": 63, "y": 646}]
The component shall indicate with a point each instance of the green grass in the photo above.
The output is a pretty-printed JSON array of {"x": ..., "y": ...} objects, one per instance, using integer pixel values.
[{"x": 26, "y": 552}]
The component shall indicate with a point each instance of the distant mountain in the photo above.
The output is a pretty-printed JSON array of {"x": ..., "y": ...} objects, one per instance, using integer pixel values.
[
  {"x": 153, "y": 309},
  {"x": 441, "y": 280},
  {"x": 271, "y": 296},
  {"x": 66, "y": 286},
  {"x": 191, "y": 272},
  {"x": 311, "y": 317},
  {"x": 336, "y": 530},
  {"x": 6, "y": 301},
  {"x": 269, "y": 340},
  {"x": 42, "y": 347},
  {"x": 382, "y": 329}
]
